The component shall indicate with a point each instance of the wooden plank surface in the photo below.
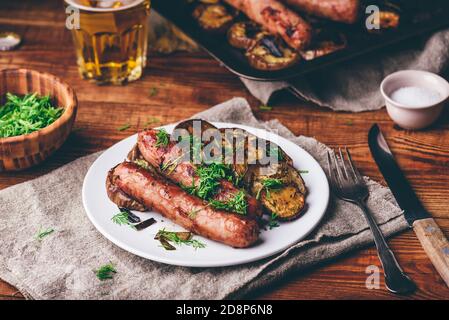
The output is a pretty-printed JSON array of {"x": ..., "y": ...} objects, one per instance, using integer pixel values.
[{"x": 190, "y": 83}]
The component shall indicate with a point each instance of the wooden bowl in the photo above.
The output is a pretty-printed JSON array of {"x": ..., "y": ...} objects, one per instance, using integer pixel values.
[{"x": 25, "y": 151}]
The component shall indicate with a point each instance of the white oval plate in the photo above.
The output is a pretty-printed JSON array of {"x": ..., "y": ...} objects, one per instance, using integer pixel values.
[{"x": 100, "y": 211}]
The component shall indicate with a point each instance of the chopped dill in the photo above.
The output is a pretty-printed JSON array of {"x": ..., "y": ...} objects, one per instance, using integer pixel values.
[
  {"x": 124, "y": 127},
  {"x": 238, "y": 204},
  {"x": 23, "y": 115},
  {"x": 122, "y": 219},
  {"x": 163, "y": 138},
  {"x": 273, "y": 222},
  {"x": 179, "y": 238},
  {"x": 105, "y": 272},
  {"x": 43, "y": 233},
  {"x": 269, "y": 184}
]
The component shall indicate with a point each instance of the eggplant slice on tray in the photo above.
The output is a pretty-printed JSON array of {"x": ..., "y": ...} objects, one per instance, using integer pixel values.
[
  {"x": 213, "y": 18},
  {"x": 271, "y": 53}
]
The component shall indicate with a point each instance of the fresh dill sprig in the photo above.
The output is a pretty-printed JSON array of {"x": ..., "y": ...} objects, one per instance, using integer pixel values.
[
  {"x": 269, "y": 184},
  {"x": 153, "y": 92},
  {"x": 209, "y": 179},
  {"x": 238, "y": 204},
  {"x": 122, "y": 219},
  {"x": 273, "y": 222},
  {"x": 176, "y": 238},
  {"x": 192, "y": 214},
  {"x": 23, "y": 115},
  {"x": 171, "y": 165},
  {"x": 163, "y": 138},
  {"x": 142, "y": 163},
  {"x": 105, "y": 272},
  {"x": 152, "y": 120},
  {"x": 264, "y": 107},
  {"x": 43, "y": 233},
  {"x": 124, "y": 127}
]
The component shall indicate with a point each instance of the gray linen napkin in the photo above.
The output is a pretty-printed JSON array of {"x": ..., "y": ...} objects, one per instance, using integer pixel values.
[
  {"x": 61, "y": 265},
  {"x": 354, "y": 85}
]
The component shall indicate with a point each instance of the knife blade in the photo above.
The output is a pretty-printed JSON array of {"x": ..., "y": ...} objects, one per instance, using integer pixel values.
[
  {"x": 400, "y": 187},
  {"x": 432, "y": 239}
]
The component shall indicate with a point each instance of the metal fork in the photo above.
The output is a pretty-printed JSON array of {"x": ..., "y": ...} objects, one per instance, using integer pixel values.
[{"x": 349, "y": 186}]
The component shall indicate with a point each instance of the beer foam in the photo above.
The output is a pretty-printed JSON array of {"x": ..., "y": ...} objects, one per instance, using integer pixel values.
[{"x": 104, "y": 5}]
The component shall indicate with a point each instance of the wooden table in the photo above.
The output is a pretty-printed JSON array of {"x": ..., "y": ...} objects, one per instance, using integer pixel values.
[{"x": 190, "y": 83}]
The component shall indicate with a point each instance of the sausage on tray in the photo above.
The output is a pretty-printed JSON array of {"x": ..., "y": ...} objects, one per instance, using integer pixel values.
[
  {"x": 278, "y": 20},
  {"x": 345, "y": 11},
  {"x": 186, "y": 210},
  {"x": 183, "y": 172}
]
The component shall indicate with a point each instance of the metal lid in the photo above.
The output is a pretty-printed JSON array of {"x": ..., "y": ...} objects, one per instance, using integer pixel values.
[{"x": 9, "y": 41}]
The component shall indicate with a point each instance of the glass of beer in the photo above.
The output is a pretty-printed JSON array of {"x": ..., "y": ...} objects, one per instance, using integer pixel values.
[{"x": 111, "y": 38}]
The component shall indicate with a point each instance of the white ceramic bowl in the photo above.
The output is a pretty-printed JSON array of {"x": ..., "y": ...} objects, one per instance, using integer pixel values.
[{"x": 414, "y": 117}]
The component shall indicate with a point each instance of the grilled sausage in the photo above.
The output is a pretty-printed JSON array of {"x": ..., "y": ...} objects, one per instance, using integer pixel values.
[
  {"x": 278, "y": 20},
  {"x": 345, "y": 11},
  {"x": 184, "y": 209},
  {"x": 182, "y": 171},
  {"x": 121, "y": 199}
]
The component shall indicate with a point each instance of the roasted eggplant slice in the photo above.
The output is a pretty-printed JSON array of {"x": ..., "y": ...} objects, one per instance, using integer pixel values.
[
  {"x": 280, "y": 188},
  {"x": 389, "y": 20},
  {"x": 324, "y": 43},
  {"x": 243, "y": 34},
  {"x": 389, "y": 17},
  {"x": 189, "y": 125},
  {"x": 215, "y": 18},
  {"x": 121, "y": 199},
  {"x": 271, "y": 53}
]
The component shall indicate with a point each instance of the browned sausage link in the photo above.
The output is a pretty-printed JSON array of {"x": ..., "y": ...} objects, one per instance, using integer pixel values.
[
  {"x": 184, "y": 209},
  {"x": 346, "y": 11},
  {"x": 278, "y": 20},
  {"x": 183, "y": 172},
  {"x": 121, "y": 199}
]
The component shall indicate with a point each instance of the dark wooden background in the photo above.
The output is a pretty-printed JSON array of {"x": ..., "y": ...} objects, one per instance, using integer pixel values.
[{"x": 189, "y": 83}]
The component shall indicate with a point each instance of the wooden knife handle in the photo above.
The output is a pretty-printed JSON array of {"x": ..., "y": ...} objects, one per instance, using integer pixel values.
[{"x": 435, "y": 245}]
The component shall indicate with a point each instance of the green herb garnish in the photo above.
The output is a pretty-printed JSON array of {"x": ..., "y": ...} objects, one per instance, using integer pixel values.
[
  {"x": 153, "y": 91},
  {"x": 163, "y": 138},
  {"x": 122, "y": 219},
  {"x": 105, "y": 272},
  {"x": 209, "y": 179},
  {"x": 269, "y": 184},
  {"x": 264, "y": 107},
  {"x": 273, "y": 222},
  {"x": 238, "y": 204},
  {"x": 152, "y": 120},
  {"x": 179, "y": 238},
  {"x": 124, "y": 127},
  {"x": 171, "y": 165},
  {"x": 192, "y": 214},
  {"x": 43, "y": 233},
  {"x": 142, "y": 163},
  {"x": 23, "y": 115}
]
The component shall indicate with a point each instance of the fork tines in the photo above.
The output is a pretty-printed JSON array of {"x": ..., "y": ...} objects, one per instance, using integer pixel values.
[{"x": 342, "y": 170}]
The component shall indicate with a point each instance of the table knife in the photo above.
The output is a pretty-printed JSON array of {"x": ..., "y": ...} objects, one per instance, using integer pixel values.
[{"x": 432, "y": 239}]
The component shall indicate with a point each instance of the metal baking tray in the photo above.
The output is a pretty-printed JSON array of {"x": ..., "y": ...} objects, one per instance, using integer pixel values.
[{"x": 417, "y": 17}]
